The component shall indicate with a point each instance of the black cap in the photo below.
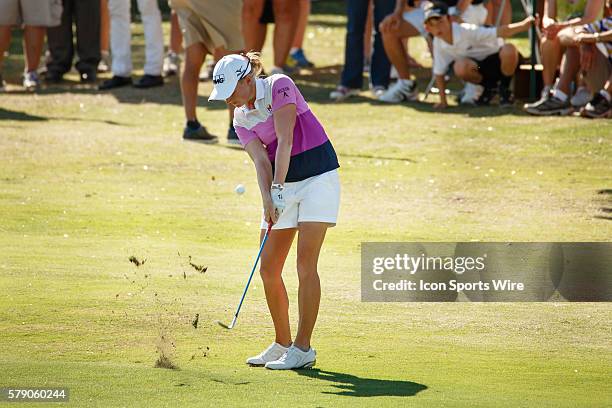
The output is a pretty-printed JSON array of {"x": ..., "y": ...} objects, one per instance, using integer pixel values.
[{"x": 435, "y": 9}]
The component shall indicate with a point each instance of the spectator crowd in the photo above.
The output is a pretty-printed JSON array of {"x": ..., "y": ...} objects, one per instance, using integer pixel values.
[{"x": 466, "y": 39}]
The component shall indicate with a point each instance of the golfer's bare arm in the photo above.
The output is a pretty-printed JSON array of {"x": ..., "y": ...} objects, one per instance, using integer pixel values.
[
  {"x": 284, "y": 122},
  {"x": 259, "y": 155}
]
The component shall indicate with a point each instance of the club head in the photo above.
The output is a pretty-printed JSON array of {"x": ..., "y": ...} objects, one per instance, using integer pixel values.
[{"x": 223, "y": 325}]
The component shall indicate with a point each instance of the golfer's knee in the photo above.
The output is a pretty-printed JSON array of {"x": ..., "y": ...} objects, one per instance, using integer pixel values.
[
  {"x": 306, "y": 271},
  {"x": 251, "y": 10},
  {"x": 269, "y": 274}
]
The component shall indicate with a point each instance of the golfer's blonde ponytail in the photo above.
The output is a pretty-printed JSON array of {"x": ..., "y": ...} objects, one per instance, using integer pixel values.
[{"x": 256, "y": 64}]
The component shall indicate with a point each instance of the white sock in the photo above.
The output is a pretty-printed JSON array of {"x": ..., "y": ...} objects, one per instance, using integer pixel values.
[
  {"x": 605, "y": 94},
  {"x": 293, "y": 49},
  {"x": 562, "y": 96}
]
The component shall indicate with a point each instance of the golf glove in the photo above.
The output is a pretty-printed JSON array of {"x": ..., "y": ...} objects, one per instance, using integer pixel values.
[{"x": 278, "y": 201}]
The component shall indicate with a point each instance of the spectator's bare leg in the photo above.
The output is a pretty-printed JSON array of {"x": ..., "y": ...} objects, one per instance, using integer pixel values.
[
  {"x": 104, "y": 26},
  {"x": 5, "y": 42},
  {"x": 33, "y": 38},
  {"x": 194, "y": 58},
  {"x": 393, "y": 40},
  {"x": 466, "y": 69},
  {"x": 551, "y": 53},
  {"x": 285, "y": 17},
  {"x": 253, "y": 31},
  {"x": 493, "y": 9},
  {"x": 176, "y": 37},
  {"x": 569, "y": 68},
  {"x": 304, "y": 12}
]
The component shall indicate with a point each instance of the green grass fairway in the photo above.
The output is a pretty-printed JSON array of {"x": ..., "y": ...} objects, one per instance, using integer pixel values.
[{"x": 89, "y": 179}]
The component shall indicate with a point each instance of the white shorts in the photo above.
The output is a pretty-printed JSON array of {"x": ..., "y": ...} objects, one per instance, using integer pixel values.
[
  {"x": 316, "y": 199},
  {"x": 416, "y": 18},
  {"x": 474, "y": 14}
]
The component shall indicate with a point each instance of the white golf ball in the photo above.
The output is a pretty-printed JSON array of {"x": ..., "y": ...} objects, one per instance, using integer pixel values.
[{"x": 239, "y": 189}]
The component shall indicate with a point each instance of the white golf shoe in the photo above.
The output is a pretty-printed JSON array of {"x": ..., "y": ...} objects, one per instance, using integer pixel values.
[
  {"x": 294, "y": 358},
  {"x": 272, "y": 353}
]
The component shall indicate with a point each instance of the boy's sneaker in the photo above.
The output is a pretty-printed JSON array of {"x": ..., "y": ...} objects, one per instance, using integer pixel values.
[
  {"x": 294, "y": 358},
  {"x": 31, "y": 82},
  {"x": 172, "y": 64},
  {"x": 232, "y": 136},
  {"x": 272, "y": 353},
  {"x": 378, "y": 91},
  {"x": 342, "y": 92},
  {"x": 550, "y": 105},
  {"x": 506, "y": 100},
  {"x": 402, "y": 90},
  {"x": 485, "y": 97},
  {"x": 598, "y": 107},
  {"x": 300, "y": 59},
  {"x": 471, "y": 93},
  {"x": 581, "y": 97}
]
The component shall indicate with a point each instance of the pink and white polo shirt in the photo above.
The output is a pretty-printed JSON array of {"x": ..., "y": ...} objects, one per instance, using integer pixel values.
[{"x": 312, "y": 152}]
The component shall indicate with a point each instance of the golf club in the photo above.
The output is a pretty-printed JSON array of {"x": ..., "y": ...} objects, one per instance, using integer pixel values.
[{"x": 263, "y": 242}]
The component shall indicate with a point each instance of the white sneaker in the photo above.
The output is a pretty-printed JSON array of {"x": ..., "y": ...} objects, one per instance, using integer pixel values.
[
  {"x": 31, "y": 81},
  {"x": 342, "y": 92},
  {"x": 272, "y": 353},
  {"x": 377, "y": 91},
  {"x": 294, "y": 358},
  {"x": 402, "y": 90},
  {"x": 471, "y": 93},
  {"x": 581, "y": 97}
]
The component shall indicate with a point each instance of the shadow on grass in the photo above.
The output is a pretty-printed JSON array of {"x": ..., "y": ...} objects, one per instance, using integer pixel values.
[
  {"x": 353, "y": 386},
  {"x": 6, "y": 114}
]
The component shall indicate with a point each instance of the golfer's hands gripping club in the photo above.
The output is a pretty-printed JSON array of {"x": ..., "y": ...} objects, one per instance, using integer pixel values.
[{"x": 274, "y": 208}]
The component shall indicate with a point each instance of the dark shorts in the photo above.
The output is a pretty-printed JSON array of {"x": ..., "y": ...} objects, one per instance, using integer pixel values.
[
  {"x": 267, "y": 14},
  {"x": 490, "y": 69}
]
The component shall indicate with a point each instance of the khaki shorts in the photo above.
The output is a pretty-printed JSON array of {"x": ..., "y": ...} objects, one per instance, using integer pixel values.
[
  {"x": 211, "y": 22},
  {"x": 38, "y": 13}
]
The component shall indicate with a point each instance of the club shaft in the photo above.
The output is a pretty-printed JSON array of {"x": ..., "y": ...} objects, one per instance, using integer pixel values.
[{"x": 246, "y": 288}]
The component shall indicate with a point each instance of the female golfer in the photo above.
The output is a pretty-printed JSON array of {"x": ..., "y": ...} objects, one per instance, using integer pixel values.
[{"x": 297, "y": 174}]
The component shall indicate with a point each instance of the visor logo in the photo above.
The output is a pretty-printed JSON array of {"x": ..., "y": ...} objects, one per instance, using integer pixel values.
[{"x": 219, "y": 79}]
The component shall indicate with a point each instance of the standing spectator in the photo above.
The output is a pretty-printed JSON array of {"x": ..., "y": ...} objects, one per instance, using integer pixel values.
[
  {"x": 561, "y": 18},
  {"x": 297, "y": 52},
  {"x": 352, "y": 73},
  {"x": 172, "y": 62},
  {"x": 121, "y": 44},
  {"x": 474, "y": 52},
  {"x": 209, "y": 27},
  {"x": 35, "y": 16},
  {"x": 86, "y": 16},
  {"x": 395, "y": 29},
  {"x": 105, "y": 60},
  {"x": 256, "y": 14}
]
